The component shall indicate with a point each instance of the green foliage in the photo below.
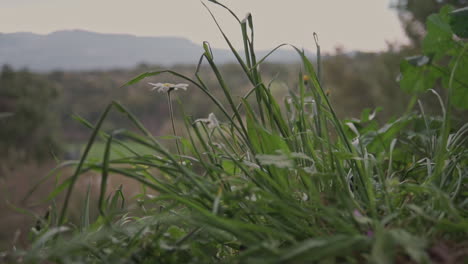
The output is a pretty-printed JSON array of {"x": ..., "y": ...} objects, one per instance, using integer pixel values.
[
  {"x": 266, "y": 184},
  {"x": 459, "y": 22},
  {"x": 445, "y": 59},
  {"x": 414, "y": 13},
  {"x": 30, "y": 119}
]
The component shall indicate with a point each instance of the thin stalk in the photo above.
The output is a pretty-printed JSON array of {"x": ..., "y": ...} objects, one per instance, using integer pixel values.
[
  {"x": 442, "y": 148},
  {"x": 169, "y": 102},
  {"x": 76, "y": 174}
]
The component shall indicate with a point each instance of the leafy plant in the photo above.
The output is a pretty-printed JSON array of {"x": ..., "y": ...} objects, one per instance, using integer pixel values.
[{"x": 444, "y": 58}]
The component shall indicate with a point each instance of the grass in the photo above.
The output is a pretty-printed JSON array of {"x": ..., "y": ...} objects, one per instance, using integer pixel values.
[
  {"x": 117, "y": 151},
  {"x": 267, "y": 184}
]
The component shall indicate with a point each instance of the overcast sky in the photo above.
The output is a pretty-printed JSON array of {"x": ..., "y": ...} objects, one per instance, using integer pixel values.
[{"x": 354, "y": 24}]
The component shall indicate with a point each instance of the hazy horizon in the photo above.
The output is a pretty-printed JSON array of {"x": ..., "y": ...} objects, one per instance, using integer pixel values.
[{"x": 338, "y": 23}]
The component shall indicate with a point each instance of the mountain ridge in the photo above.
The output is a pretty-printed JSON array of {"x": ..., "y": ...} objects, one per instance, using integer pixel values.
[{"x": 77, "y": 50}]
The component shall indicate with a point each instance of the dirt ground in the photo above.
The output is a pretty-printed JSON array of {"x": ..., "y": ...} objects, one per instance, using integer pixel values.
[{"x": 16, "y": 184}]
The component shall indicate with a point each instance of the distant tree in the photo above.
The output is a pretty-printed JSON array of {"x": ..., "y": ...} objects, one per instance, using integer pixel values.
[
  {"x": 30, "y": 129},
  {"x": 413, "y": 14}
]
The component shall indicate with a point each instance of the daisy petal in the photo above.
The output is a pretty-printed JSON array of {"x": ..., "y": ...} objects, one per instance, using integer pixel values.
[
  {"x": 163, "y": 89},
  {"x": 156, "y": 84},
  {"x": 181, "y": 85}
]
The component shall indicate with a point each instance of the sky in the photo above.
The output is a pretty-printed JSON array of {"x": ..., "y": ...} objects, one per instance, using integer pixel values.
[{"x": 365, "y": 25}]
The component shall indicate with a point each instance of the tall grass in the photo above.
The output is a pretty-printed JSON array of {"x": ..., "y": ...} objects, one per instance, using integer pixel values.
[{"x": 267, "y": 184}]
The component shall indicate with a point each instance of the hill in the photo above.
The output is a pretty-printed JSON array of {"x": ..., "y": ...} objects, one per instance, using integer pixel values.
[{"x": 82, "y": 50}]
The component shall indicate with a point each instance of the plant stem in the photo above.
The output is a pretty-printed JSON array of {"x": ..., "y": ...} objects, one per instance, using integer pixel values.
[{"x": 169, "y": 101}]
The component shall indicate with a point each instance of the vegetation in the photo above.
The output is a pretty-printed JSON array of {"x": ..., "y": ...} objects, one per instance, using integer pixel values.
[
  {"x": 30, "y": 118},
  {"x": 82, "y": 93},
  {"x": 413, "y": 15},
  {"x": 276, "y": 181}
]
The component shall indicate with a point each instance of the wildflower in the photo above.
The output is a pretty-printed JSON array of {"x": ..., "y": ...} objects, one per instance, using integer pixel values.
[
  {"x": 168, "y": 87},
  {"x": 356, "y": 213},
  {"x": 211, "y": 121},
  {"x": 360, "y": 218},
  {"x": 302, "y": 195},
  {"x": 252, "y": 198},
  {"x": 305, "y": 78}
]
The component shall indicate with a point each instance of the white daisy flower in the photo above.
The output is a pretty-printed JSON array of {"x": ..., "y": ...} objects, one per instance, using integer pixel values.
[
  {"x": 211, "y": 121},
  {"x": 168, "y": 87}
]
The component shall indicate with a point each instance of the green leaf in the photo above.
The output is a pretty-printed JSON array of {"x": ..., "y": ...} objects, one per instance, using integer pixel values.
[
  {"x": 438, "y": 40},
  {"x": 383, "y": 249},
  {"x": 279, "y": 160},
  {"x": 459, "y": 96},
  {"x": 369, "y": 115},
  {"x": 459, "y": 22},
  {"x": 416, "y": 77},
  {"x": 319, "y": 248},
  {"x": 264, "y": 141},
  {"x": 229, "y": 166},
  {"x": 175, "y": 232},
  {"x": 48, "y": 236},
  {"x": 115, "y": 199},
  {"x": 85, "y": 218},
  {"x": 419, "y": 60},
  {"x": 414, "y": 246}
]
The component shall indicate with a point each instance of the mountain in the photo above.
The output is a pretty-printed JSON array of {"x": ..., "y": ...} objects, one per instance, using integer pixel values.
[{"x": 83, "y": 50}]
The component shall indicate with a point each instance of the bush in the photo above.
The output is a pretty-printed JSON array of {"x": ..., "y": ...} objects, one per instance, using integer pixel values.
[{"x": 31, "y": 129}]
